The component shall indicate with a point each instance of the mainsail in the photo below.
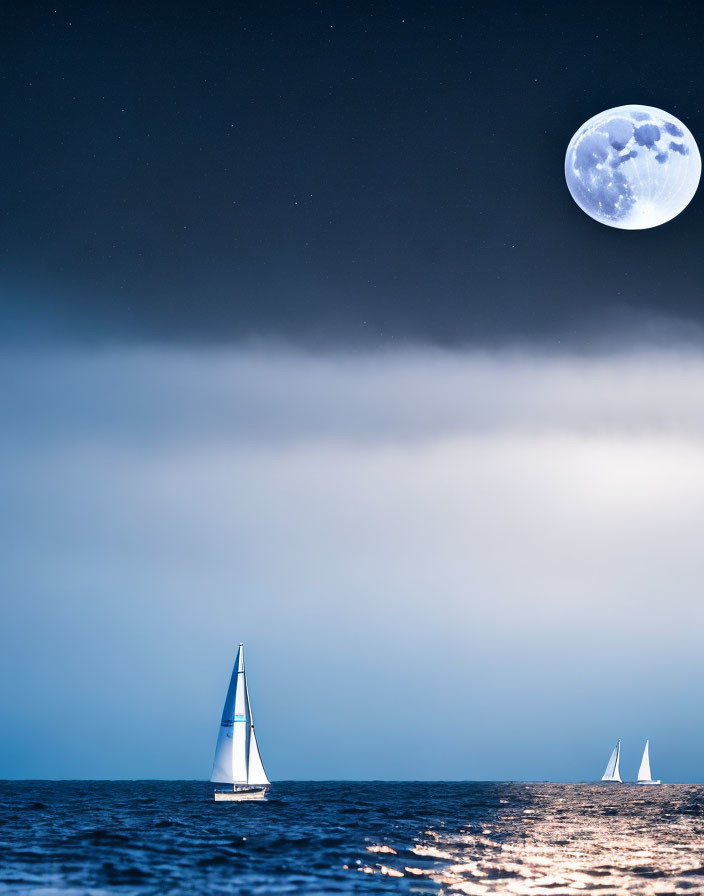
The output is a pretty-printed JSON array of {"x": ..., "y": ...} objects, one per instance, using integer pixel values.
[
  {"x": 613, "y": 772},
  {"x": 644, "y": 770},
  {"x": 237, "y": 759}
]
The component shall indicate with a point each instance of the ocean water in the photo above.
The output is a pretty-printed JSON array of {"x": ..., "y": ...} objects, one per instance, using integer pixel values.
[{"x": 312, "y": 838}]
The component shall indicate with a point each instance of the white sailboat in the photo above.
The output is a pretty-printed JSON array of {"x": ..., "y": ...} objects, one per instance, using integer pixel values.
[
  {"x": 644, "y": 775},
  {"x": 613, "y": 770},
  {"x": 237, "y": 761}
]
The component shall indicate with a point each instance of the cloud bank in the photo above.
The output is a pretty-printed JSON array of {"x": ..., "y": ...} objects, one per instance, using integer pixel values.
[{"x": 433, "y": 558}]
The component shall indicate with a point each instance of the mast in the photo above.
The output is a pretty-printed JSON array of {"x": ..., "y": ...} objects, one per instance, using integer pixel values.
[{"x": 644, "y": 773}]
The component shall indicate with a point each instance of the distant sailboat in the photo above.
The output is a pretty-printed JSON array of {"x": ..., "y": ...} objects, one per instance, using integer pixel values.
[
  {"x": 644, "y": 775},
  {"x": 613, "y": 771},
  {"x": 237, "y": 760}
]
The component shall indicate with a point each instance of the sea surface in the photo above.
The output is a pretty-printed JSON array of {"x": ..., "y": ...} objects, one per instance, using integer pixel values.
[{"x": 171, "y": 837}]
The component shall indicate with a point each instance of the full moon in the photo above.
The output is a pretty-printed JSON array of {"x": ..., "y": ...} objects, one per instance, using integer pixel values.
[{"x": 633, "y": 167}]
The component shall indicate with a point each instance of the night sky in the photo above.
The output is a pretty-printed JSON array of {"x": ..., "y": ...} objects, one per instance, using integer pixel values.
[{"x": 333, "y": 174}]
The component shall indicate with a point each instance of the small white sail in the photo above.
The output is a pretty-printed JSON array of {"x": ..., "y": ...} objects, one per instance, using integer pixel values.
[
  {"x": 237, "y": 759},
  {"x": 255, "y": 766},
  {"x": 644, "y": 770},
  {"x": 255, "y": 773},
  {"x": 613, "y": 770}
]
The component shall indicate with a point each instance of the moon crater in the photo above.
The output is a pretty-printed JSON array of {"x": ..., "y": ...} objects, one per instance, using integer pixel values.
[{"x": 633, "y": 167}]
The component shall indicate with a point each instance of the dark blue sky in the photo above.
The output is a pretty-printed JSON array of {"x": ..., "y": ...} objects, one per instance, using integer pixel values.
[{"x": 345, "y": 173}]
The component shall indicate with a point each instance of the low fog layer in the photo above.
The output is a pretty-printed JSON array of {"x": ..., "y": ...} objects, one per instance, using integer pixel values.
[{"x": 442, "y": 565}]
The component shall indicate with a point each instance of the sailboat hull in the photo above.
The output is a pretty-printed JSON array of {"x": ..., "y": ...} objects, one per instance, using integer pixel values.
[
  {"x": 241, "y": 794},
  {"x": 646, "y": 783}
]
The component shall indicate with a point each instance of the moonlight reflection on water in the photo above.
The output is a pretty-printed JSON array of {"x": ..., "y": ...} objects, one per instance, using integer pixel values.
[{"x": 556, "y": 839}]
